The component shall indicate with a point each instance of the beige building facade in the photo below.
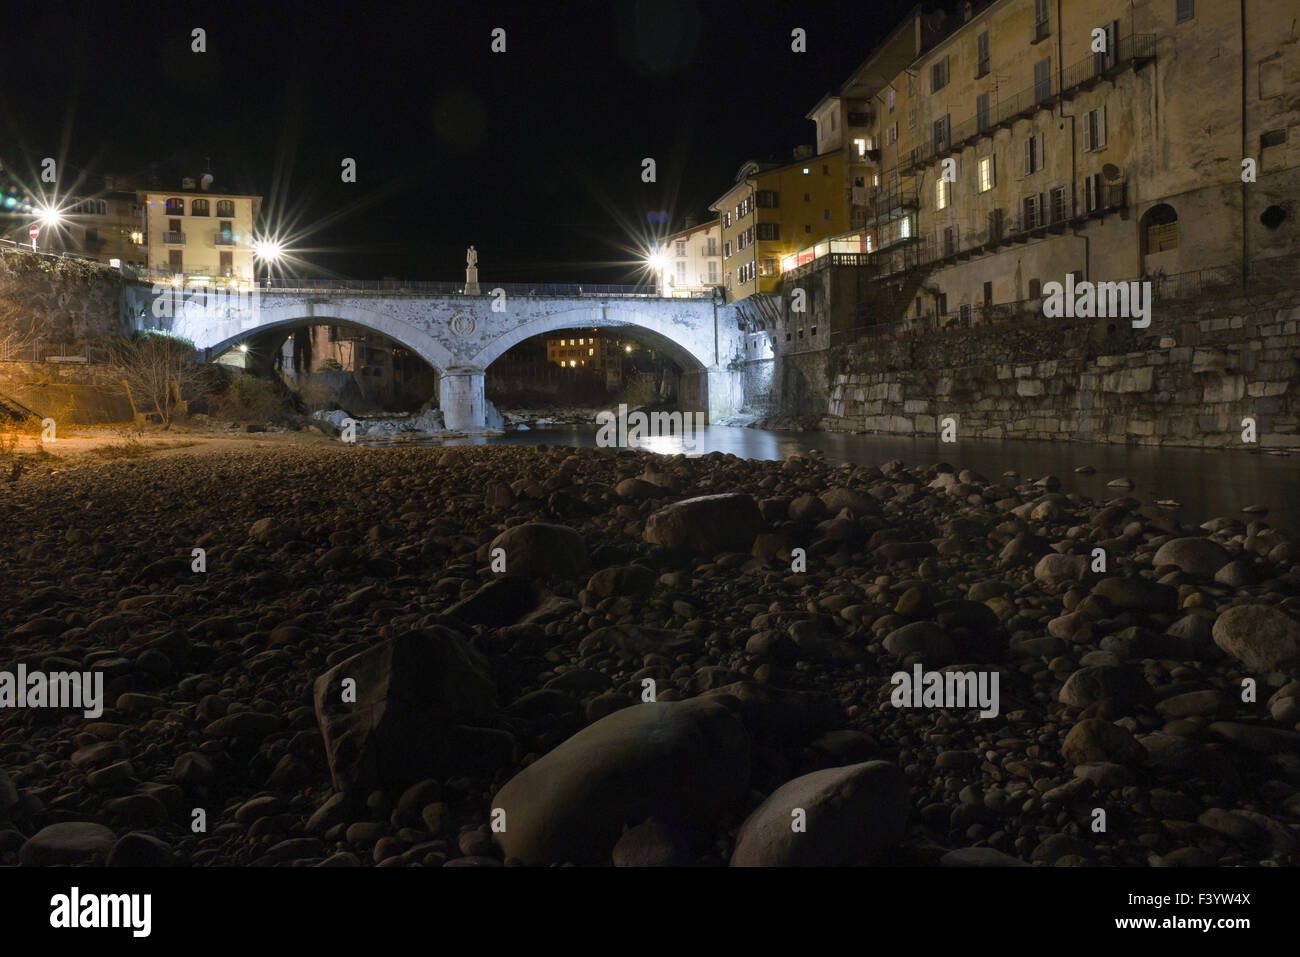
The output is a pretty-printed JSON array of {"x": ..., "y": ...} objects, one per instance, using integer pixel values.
[
  {"x": 692, "y": 261},
  {"x": 1019, "y": 141},
  {"x": 199, "y": 234}
]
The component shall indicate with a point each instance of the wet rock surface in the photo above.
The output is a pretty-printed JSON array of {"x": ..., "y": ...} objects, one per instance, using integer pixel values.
[{"x": 676, "y": 655}]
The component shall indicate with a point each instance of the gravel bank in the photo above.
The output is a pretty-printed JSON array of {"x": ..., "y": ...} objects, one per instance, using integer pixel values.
[{"x": 511, "y": 655}]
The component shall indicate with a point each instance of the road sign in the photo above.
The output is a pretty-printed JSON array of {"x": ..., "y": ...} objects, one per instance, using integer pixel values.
[{"x": 34, "y": 231}]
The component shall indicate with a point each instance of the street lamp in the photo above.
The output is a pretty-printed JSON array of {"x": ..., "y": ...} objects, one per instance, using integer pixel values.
[
  {"x": 269, "y": 251},
  {"x": 49, "y": 217},
  {"x": 657, "y": 261}
]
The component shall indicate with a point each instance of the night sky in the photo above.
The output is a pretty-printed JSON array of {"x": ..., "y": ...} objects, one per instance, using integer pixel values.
[{"x": 533, "y": 155}]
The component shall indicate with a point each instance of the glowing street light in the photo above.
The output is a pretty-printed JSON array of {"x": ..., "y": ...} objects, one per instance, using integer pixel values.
[
  {"x": 268, "y": 250},
  {"x": 49, "y": 216}
]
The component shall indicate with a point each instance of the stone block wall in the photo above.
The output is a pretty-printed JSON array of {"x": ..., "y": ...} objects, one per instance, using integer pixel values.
[{"x": 1189, "y": 379}]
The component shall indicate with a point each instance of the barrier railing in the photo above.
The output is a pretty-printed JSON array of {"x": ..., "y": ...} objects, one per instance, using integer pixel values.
[{"x": 1132, "y": 48}]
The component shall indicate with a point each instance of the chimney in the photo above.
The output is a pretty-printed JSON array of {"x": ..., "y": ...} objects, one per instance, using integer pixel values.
[
  {"x": 966, "y": 11},
  {"x": 691, "y": 222},
  {"x": 187, "y": 182}
]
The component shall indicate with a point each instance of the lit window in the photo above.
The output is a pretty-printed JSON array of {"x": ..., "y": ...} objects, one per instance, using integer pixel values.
[
  {"x": 805, "y": 170},
  {"x": 940, "y": 194},
  {"x": 987, "y": 178},
  {"x": 862, "y": 147}
]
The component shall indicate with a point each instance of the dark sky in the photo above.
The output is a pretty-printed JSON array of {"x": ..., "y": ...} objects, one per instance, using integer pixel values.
[{"x": 533, "y": 155}]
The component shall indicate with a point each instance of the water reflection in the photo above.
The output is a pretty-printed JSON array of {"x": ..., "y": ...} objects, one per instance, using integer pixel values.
[{"x": 1206, "y": 483}]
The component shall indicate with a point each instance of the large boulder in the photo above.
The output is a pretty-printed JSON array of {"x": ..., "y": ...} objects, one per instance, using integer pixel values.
[
  {"x": 1056, "y": 569},
  {"x": 541, "y": 550},
  {"x": 1123, "y": 687},
  {"x": 1196, "y": 556},
  {"x": 674, "y": 761},
  {"x": 417, "y": 698},
  {"x": 1093, "y": 740},
  {"x": 857, "y": 502},
  {"x": 1261, "y": 637},
  {"x": 1137, "y": 593},
  {"x": 502, "y": 601},
  {"x": 835, "y": 816},
  {"x": 707, "y": 525},
  {"x": 69, "y": 842},
  {"x": 923, "y": 639}
]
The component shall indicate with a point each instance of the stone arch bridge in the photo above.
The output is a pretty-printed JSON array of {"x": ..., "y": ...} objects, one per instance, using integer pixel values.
[{"x": 461, "y": 335}]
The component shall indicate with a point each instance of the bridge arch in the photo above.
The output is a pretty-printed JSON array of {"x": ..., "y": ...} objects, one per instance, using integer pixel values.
[
  {"x": 294, "y": 316},
  {"x": 693, "y": 356}
]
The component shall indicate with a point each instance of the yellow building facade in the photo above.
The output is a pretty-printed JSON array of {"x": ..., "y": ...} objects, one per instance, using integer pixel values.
[{"x": 773, "y": 210}]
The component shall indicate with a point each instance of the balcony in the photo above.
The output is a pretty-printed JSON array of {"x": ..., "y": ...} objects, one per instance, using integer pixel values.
[
  {"x": 174, "y": 239},
  {"x": 880, "y": 207},
  {"x": 224, "y": 240},
  {"x": 1133, "y": 50},
  {"x": 1110, "y": 197}
]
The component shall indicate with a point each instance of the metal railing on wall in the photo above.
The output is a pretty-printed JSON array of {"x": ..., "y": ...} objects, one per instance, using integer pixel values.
[
  {"x": 1209, "y": 282},
  {"x": 1130, "y": 49},
  {"x": 291, "y": 284}
]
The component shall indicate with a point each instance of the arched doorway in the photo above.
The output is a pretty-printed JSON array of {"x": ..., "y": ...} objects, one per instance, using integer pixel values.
[{"x": 1158, "y": 234}]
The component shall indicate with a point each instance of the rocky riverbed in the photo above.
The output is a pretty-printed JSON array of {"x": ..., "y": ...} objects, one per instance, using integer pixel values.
[{"x": 511, "y": 655}]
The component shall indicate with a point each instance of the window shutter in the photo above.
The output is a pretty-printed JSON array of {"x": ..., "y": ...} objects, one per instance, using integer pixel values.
[
  {"x": 1087, "y": 132},
  {"x": 1101, "y": 126},
  {"x": 1029, "y": 157}
]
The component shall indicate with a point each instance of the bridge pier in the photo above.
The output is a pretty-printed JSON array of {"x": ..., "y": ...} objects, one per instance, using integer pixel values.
[
  {"x": 713, "y": 392},
  {"x": 726, "y": 392},
  {"x": 461, "y": 398}
]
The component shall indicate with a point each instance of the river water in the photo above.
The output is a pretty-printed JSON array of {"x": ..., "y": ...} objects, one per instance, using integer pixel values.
[{"x": 1206, "y": 483}]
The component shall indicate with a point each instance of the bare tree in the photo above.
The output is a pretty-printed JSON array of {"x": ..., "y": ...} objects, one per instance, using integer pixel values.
[{"x": 156, "y": 368}]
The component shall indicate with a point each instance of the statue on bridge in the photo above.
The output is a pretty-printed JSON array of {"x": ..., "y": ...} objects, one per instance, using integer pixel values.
[{"x": 471, "y": 272}]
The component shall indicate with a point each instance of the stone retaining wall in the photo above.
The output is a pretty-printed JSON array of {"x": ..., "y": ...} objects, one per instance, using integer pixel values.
[
  {"x": 1190, "y": 379},
  {"x": 71, "y": 393}
]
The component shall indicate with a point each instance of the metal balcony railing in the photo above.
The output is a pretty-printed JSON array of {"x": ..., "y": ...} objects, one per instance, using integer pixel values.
[
  {"x": 171, "y": 238},
  {"x": 223, "y": 239},
  {"x": 1132, "y": 49}
]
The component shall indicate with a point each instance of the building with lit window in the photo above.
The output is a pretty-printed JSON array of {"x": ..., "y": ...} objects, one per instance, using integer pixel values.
[
  {"x": 692, "y": 260},
  {"x": 197, "y": 233},
  {"x": 1015, "y": 142},
  {"x": 592, "y": 351},
  {"x": 773, "y": 210}
]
